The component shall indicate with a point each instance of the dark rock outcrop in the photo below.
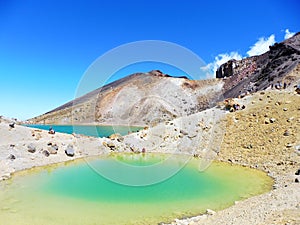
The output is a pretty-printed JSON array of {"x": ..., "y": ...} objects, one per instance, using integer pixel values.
[{"x": 260, "y": 72}]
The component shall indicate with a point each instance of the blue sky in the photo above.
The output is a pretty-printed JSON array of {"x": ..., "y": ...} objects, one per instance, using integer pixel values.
[{"x": 46, "y": 46}]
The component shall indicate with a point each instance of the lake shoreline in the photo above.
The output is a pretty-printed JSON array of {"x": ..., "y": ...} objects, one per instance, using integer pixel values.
[{"x": 279, "y": 206}]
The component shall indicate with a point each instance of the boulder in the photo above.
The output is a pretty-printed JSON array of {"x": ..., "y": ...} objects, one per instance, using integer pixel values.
[
  {"x": 46, "y": 153},
  {"x": 70, "y": 151},
  {"x": 31, "y": 148},
  {"x": 297, "y": 172}
]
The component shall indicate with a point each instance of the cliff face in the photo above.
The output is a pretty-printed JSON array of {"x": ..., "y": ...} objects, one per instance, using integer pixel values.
[
  {"x": 259, "y": 72},
  {"x": 139, "y": 99}
]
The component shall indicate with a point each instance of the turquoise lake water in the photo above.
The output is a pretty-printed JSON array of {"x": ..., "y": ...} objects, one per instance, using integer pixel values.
[
  {"x": 88, "y": 130},
  {"x": 73, "y": 193}
]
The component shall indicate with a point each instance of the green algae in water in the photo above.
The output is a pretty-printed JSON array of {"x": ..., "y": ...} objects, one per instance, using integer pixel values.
[{"x": 76, "y": 194}]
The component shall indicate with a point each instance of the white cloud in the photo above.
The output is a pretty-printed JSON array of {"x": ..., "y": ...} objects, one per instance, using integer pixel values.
[
  {"x": 212, "y": 67},
  {"x": 288, "y": 34},
  {"x": 261, "y": 46}
]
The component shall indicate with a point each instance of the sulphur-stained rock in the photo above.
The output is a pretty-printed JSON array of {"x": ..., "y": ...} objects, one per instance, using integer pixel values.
[
  {"x": 70, "y": 151},
  {"x": 31, "y": 148}
]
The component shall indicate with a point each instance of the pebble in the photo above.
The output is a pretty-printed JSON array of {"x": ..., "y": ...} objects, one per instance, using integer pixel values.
[
  {"x": 11, "y": 157},
  {"x": 284, "y": 109},
  {"x": 31, "y": 148},
  {"x": 46, "y": 153},
  {"x": 289, "y": 145},
  {"x": 267, "y": 120},
  {"x": 286, "y": 133},
  {"x": 272, "y": 120}
]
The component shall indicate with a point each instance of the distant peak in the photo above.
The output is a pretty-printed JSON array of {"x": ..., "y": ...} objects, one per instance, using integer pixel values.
[{"x": 158, "y": 73}]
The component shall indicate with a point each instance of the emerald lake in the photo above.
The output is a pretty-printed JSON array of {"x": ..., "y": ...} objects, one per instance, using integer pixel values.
[
  {"x": 74, "y": 193},
  {"x": 88, "y": 130}
]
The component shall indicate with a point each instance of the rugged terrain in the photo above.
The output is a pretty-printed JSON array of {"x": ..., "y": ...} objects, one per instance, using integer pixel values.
[
  {"x": 266, "y": 136},
  {"x": 153, "y": 97},
  {"x": 139, "y": 99},
  {"x": 273, "y": 68}
]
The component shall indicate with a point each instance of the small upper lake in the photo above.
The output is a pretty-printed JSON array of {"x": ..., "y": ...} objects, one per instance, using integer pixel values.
[
  {"x": 88, "y": 130},
  {"x": 74, "y": 193}
]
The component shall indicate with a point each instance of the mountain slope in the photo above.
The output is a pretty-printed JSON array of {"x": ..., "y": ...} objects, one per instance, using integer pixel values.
[
  {"x": 260, "y": 72},
  {"x": 153, "y": 97},
  {"x": 139, "y": 99}
]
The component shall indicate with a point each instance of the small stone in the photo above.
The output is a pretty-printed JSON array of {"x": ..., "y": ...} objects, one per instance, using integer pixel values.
[
  {"x": 46, "y": 153},
  {"x": 183, "y": 132},
  {"x": 272, "y": 120},
  {"x": 52, "y": 150},
  {"x": 297, "y": 180},
  {"x": 267, "y": 120},
  {"x": 31, "y": 148},
  {"x": 11, "y": 125},
  {"x": 210, "y": 212},
  {"x": 117, "y": 137},
  {"x": 284, "y": 109},
  {"x": 290, "y": 119},
  {"x": 11, "y": 157},
  {"x": 297, "y": 172},
  {"x": 286, "y": 133},
  {"x": 70, "y": 151},
  {"x": 6, "y": 176},
  {"x": 289, "y": 145}
]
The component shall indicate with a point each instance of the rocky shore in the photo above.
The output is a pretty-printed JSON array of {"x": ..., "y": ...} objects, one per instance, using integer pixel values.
[{"x": 265, "y": 135}]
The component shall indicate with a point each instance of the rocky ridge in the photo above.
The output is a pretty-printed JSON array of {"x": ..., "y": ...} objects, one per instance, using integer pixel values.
[
  {"x": 256, "y": 73},
  {"x": 153, "y": 97}
]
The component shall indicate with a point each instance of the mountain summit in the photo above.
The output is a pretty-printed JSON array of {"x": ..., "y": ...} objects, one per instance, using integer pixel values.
[{"x": 152, "y": 97}]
